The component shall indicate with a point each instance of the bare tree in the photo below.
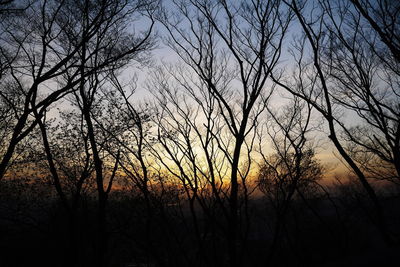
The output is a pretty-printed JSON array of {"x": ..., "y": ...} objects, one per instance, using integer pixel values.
[
  {"x": 366, "y": 83},
  {"x": 128, "y": 125},
  {"x": 58, "y": 39},
  {"x": 10, "y": 100},
  {"x": 230, "y": 49},
  {"x": 345, "y": 74},
  {"x": 292, "y": 169},
  {"x": 82, "y": 42},
  {"x": 382, "y": 17},
  {"x": 71, "y": 161}
]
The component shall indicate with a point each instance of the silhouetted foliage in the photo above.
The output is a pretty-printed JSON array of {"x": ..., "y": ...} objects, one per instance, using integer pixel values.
[{"x": 210, "y": 156}]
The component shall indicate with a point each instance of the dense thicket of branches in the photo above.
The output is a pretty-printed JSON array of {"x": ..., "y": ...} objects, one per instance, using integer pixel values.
[{"x": 220, "y": 164}]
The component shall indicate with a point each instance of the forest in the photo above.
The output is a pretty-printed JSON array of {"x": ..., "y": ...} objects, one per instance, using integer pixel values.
[{"x": 147, "y": 133}]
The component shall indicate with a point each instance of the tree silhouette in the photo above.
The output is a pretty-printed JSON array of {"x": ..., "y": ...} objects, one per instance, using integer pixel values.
[
  {"x": 217, "y": 162},
  {"x": 336, "y": 78},
  {"x": 69, "y": 40},
  {"x": 213, "y": 37}
]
